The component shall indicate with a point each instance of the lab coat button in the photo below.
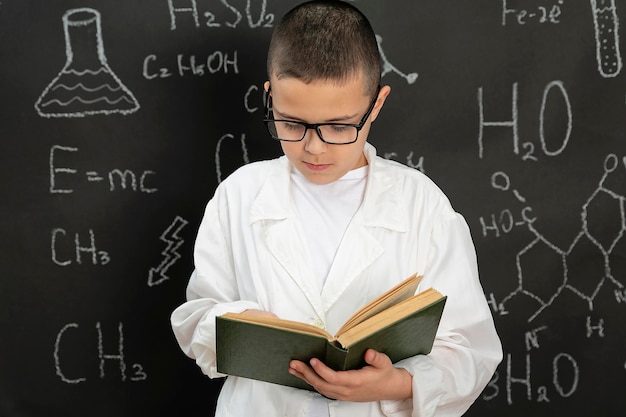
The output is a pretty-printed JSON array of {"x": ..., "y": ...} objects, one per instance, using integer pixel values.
[{"x": 319, "y": 323}]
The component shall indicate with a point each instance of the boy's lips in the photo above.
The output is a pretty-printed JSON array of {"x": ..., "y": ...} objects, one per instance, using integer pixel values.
[{"x": 316, "y": 167}]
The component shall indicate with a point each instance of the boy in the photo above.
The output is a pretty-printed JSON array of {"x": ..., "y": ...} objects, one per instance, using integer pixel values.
[{"x": 314, "y": 235}]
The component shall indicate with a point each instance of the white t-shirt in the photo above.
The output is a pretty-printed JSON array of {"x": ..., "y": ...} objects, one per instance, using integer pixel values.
[{"x": 325, "y": 212}]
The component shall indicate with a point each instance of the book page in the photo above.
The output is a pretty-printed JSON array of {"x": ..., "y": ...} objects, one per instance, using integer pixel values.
[
  {"x": 388, "y": 317},
  {"x": 398, "y": 293},
  {"x": 277, "y": 323}
]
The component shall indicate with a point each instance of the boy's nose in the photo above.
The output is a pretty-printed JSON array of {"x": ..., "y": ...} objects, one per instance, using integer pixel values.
[{"x": 313, "y": 143}]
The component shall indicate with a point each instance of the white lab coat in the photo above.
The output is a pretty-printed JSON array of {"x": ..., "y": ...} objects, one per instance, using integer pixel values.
[{"x": 250, "y": 253}]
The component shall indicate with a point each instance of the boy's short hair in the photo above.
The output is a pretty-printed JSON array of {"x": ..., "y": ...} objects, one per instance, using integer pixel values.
[{"x": 325, "y": 40}]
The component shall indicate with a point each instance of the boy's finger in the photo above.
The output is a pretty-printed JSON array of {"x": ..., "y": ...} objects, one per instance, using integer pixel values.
[
  {"x": 323, "y": 371},
  {"x": 304, "y": 372},
  {"x": 376, "y": 359}
]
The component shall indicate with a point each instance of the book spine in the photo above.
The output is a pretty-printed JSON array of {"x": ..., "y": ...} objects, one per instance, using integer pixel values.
[{"x": 335, "y": 357}]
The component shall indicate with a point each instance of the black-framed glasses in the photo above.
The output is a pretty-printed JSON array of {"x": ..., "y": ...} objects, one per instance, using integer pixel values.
[{"x": 331, "y": 133}]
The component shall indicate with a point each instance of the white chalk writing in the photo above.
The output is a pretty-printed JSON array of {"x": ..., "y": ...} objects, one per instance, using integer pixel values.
[
  {"x": 532, "y": 338},
  {"x": 116, "y": 178},
  {"x": 542, "y": 13},
  {"x": 138, "y": 373},
  {"x": 564, "y": 388},
  {"x": 514, "y": 123},
  {"x": 215, "y": 62},
  {"x": 419, "y": 165},
  {"x": 218, "y": 153},
  {"x": 98, "y": 257},
  {"x": 595, "y": 328},
  {"x": 213, "y": 19},
  {"x": 57, "y": 358}
]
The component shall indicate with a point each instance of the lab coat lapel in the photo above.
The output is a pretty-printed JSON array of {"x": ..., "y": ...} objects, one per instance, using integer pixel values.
[
  {"x": 357, "y": 251},
  {"x": 382, "y": 207},
  {"x": 294, "y": 257},
  {"x": 274, "y": 213}
]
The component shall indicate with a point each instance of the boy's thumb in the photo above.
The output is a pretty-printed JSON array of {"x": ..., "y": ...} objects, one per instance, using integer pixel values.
[{"x": 375, "y": 359}]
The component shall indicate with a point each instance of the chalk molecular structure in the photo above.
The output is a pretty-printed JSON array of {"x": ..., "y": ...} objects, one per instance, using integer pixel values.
[{"x": 591, "y": 249}]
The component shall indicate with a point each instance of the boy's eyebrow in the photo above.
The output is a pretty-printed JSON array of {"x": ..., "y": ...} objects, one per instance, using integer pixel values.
[{"x": 340, "y": 119}]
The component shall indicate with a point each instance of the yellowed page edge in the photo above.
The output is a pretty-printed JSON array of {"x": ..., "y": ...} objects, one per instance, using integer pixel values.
[
  {"x": 398, "y": 293},
  {"x": 277, "y": 323},
  {"x": 391, "y": 315}
]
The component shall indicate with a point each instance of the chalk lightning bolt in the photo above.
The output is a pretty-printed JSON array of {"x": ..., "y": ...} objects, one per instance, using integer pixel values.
[{"x": 170, "y": 236}]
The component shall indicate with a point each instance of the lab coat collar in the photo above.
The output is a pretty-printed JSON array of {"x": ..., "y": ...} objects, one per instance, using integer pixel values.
[
  {"x": 383, "y": 202},
  {"x": 382, "y": 207}
]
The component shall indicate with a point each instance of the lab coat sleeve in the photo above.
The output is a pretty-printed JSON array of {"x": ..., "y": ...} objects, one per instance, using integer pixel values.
[
  {"x": 212, "y": 289},
  {"x": 467, "y": 349}
]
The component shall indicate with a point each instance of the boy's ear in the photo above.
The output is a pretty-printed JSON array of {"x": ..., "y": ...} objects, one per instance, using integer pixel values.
[
  {"x": 382, "y": 96},
  {"x": 266, "y": 86}
]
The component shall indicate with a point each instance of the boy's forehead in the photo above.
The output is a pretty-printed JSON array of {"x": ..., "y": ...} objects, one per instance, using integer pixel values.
[
  {"x": 318, "y": 101},
  {"x": 352, "y": 82}
]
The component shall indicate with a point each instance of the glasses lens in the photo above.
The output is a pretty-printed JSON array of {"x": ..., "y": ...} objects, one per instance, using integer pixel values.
[
  {"x": 286, "y": 130},
  {"x": 338, "y": 133},
  {"x": 294, "y": 131}
]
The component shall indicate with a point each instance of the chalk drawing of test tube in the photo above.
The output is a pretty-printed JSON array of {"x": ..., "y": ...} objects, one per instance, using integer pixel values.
[
  {"x": 86, "y": 85},
  {"x": 606, "y": 24}
]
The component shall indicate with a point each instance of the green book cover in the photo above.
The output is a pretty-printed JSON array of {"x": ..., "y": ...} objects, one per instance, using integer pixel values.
[
  {"x": 409, "y": 336},
  {"x": 262, "y": 350}
]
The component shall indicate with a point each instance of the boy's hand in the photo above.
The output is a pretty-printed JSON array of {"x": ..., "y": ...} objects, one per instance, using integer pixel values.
[{"x": 378, "y": 380}]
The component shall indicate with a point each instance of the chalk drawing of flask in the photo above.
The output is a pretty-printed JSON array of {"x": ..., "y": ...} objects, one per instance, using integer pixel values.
[{"x": 86, "y": 85}]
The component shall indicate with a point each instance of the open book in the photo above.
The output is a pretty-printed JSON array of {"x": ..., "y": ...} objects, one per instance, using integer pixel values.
[{"x": 398, "y": 323}]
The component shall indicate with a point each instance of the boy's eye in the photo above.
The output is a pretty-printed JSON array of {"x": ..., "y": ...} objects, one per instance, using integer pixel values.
[
  {"x": 292, "y": 126},
  {"x": 339, "y": 128}
]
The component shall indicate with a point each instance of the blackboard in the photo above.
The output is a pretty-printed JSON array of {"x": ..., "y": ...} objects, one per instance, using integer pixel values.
[{"x": 119, "y": 119}]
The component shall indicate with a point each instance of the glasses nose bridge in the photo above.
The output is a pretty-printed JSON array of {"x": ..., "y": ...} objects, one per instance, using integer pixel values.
[{"x": 315, "y": 128}]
